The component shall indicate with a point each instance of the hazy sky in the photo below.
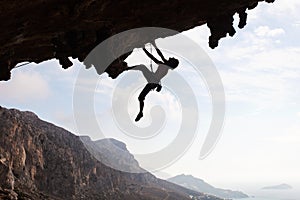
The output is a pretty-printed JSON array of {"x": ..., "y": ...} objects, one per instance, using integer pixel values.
[{"x": 259, "y": 67}]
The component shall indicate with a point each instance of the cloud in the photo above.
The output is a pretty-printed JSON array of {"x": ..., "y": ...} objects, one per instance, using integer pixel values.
[
  {"x": 257, "y": 70},
  {"x": 265, "y": 31},
  {"x": 283, "y": 8},
  {"x": 266, "y": 79},
  {"x": 24, "y": 86},
  {"x": 290, "y": 135}
]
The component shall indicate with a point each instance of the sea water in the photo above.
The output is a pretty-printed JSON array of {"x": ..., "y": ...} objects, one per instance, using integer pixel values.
[
  {"x": 256, "y": 198},
  {"x": 260, "y": 194},
  {"x": 274, "y": 195},
  {"x": 265, "y": 198}
]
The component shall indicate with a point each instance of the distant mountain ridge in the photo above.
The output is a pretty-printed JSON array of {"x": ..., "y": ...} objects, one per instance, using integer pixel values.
[
  {"x": 199, "y": 185},
  {"x": 278, "y": 187},
  {"x": 39, "y": 160}
]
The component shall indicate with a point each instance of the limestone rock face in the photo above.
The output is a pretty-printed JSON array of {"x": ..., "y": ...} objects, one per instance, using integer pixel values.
[
  {"x": 41, "y": 161},
  {"x": 38, "y": 30}
]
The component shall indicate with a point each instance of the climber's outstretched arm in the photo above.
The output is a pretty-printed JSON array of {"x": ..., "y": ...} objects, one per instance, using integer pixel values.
[{"x": 152, "y": 57}]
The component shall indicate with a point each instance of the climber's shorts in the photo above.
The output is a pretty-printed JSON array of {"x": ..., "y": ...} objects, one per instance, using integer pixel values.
[{"x": 146, "y": 90}]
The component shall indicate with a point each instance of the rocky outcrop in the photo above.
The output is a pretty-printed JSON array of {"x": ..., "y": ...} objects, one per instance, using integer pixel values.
[
  {"x": 112, "y": 153},
  {"x": 41, "y": 161},
  {"x": 38, "y": 30}
]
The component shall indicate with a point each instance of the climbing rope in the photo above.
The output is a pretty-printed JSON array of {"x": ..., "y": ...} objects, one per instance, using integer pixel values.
[
  {"x": 151, "y": 65},
  {"x": 151, "y": 59}
]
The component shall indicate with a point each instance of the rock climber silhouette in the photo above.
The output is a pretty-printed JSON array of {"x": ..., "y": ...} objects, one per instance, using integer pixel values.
[{"x": 153, "y": 78}]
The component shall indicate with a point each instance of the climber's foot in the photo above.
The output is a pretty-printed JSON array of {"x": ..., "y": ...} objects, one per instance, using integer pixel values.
[{"x": 139, "y": 116}]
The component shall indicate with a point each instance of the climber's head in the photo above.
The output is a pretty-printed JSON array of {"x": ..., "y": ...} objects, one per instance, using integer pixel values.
[{"x": 172, "y": 62}]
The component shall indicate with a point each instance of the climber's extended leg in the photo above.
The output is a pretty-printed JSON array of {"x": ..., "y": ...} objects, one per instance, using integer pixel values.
[
  {"x": 136, "y": 67},
  {"x": 142, "y": 96}
]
